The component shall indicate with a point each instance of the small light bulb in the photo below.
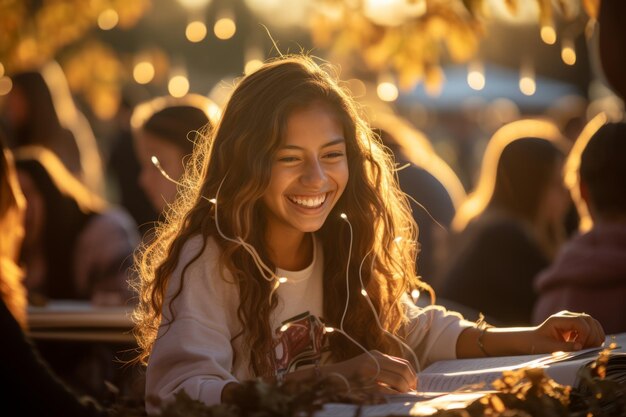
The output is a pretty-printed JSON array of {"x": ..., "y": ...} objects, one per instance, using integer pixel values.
[
  {"x": 415, "y": 294},
  {"x": 329, "y": 329},
  {"x": 343, "y": 216},
  {"x": 213, "y": 200},
  {"x": 397, "y": 239},
  {"x": 284, "y": 327},
  {"x": 282, "y": 280},
  {"x": 363, "y": 292},
  {"x": 154, "y": 160}
]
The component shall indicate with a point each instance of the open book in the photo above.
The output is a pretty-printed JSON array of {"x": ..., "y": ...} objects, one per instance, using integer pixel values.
[
  {"x": 457, "y": 383},
  {"x": 478, "y": 374}
]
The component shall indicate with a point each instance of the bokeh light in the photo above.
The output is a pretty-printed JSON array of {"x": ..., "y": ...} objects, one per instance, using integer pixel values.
[
  {"x": 548, "y": 34},
  {"x": 225, "y": 28},
  {"x": 143, "y": 72},
  {"x": 108, "y": 19},
  {"x": 5, "y": 85},
  {"x": 178, "y": 86},
  {"x": 476, "y": 76},
  {"x": 568, "y": 53},
  {"x": 196, "y": 31},
  {"x": 527, "y": 85},
  {"x": 387, "y": 91}
]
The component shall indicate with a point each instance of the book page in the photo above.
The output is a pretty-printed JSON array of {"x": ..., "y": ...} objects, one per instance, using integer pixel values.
[
  {"x": 473, "y": 374},
  {"x": 402, "y": 408}
]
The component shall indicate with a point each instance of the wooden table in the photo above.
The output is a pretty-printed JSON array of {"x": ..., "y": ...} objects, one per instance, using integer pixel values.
[{"x": 80, "y": 321}]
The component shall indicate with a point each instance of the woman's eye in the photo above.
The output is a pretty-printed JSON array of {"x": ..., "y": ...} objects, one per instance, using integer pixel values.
[
  {"x": 288, "y": 159},
  {"x": 332, "y": 155}
]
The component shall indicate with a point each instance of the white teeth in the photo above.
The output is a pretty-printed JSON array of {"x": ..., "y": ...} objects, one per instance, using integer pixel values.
[{"x": 310, "y": 202}]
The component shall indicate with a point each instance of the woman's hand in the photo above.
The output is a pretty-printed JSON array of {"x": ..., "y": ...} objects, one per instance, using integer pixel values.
[
  {"x": 563, "y": 331},
  {"x": 391, "y": 375},
  {"x": 567, "y": 331}
]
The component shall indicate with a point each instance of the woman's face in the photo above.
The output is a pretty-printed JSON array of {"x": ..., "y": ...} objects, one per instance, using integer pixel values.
[
  {"x": 556, "y": 198},
  {"x": 159, "y": 189},
  {"x": 309, "y": 172},
  {"x": 35, "y": 214}
]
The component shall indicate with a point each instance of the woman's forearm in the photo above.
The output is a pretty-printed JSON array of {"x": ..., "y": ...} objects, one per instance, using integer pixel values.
[{"x": 495, "y": 342}]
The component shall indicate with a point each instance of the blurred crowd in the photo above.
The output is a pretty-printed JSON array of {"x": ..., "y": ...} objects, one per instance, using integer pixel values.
[{"x": 521, "y": 244}]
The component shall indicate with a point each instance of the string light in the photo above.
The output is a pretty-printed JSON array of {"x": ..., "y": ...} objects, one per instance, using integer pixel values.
[
  {"x": 387, "y": 91},
  {"x": 6, "y": 84},
  {"x": 225, "y": 26},
  {"x": 108, "y": 19},
  {"x": 282, "y": 280},
  {"x": 195, "y": 31},
  {"x": 527, "y": 83},
  {"x": 178, "y": 86},
  {"x": 568, "y": 53},
  {"x": 548, "y": 34},
  {"x": 476, "y": 76},
  {"x": 143, "y": 72}
]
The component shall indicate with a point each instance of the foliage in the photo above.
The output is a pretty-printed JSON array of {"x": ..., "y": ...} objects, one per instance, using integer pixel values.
[
  {"x": 413, "y": 41},
  {"x": 519, "y": 393}
]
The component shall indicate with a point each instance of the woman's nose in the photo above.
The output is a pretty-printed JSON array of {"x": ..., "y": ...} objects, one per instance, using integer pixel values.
[{"x": 314, "y": 174}]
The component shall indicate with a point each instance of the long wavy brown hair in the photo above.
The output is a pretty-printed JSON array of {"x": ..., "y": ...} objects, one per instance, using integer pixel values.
[{"x": 236, "y": 158}]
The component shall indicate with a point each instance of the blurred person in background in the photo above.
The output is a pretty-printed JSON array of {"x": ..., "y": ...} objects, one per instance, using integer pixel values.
[
  {"x": 589, "y": 273},
  {"x": 432, "y": 186},
  {"x": 165, "y": 128},
  {"x": 29, "y": 386},
  {"x": 123, "y": 168},
  {"x": 76, "y": 245},
  {"x": 39, "y": 110},
  {"x": 510, "y": 227}
]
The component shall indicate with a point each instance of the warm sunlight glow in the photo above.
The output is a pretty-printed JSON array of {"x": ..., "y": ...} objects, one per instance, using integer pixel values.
[
  {"x": 5, "y": 85},
  {"x": 143, "y": 72},
  {"x": 195, "y": 31},
  {"x": 225, "y": 28},
  {"x": 387, "y": 91},
  {"x": 194, "y": 4},
  {"x": 178, "y": 86},
  {"x": 548, "y": 34},
  {"x": 108, "y": 19}
]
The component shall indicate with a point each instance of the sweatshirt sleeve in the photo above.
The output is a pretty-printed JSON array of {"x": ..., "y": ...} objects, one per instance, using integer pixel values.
[
  {"x": 193, "y": 352},
  {"x": 433, "y": 331}
]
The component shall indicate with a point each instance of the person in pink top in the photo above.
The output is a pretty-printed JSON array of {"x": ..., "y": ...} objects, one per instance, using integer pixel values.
[{"x": 589, "y": 273}]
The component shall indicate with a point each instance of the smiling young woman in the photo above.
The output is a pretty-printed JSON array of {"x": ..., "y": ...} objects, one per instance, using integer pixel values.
[{"x": 290, "y": 253}]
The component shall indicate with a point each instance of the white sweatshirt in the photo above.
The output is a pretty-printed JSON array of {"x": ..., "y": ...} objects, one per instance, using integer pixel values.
[{"x": 198, "y": 351}]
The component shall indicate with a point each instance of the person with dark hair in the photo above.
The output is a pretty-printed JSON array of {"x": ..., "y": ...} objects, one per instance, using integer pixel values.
[
  {"x": 433, "y": 188},
  {"x": 29, "y": 386},
  {"x": 510, "y": 227},
  {"x": 76, "y": 245},
  {"x": 589, "y": 273},
  {"x": 39, "y": 110},
  {"x": 289, "y": 254},
  {"x": 165, "y": 128}
]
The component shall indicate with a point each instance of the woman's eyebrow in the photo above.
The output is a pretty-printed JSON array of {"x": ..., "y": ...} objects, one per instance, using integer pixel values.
[{"x": 326, "y": 145}]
